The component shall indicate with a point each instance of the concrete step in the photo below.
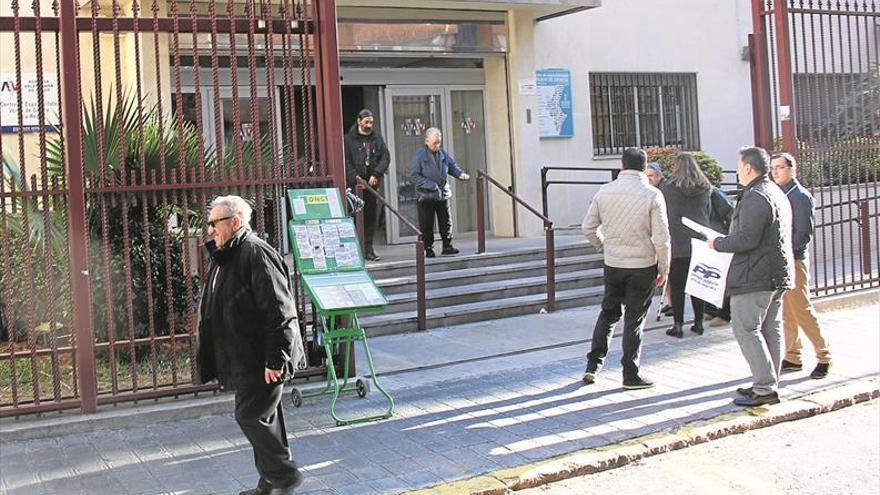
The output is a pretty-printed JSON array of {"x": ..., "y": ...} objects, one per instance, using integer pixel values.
[
  {"x": 467, "y": 276},
  {"x": 392, "y": 323},
  {"x": 395, "y": 269},
  {"x": 485, "y": 291}
]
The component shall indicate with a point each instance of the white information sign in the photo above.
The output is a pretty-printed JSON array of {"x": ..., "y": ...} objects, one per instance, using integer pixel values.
[{"x": 29, "y": 92}]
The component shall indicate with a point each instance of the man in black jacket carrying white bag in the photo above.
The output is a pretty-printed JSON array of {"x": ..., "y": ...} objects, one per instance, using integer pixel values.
[
  {"x": 249, "y": 338},
  {"x": 761, "y": 271}
]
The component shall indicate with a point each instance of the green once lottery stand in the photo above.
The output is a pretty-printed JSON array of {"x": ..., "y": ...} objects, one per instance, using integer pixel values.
[{"x": 328, "y": 256}]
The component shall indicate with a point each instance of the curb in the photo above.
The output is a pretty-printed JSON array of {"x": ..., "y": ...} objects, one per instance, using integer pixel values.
[{"x": 613, "y": 456}]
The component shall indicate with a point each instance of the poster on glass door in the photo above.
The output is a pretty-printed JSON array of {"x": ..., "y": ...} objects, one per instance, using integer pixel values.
[{"x": 554, "y": 103}]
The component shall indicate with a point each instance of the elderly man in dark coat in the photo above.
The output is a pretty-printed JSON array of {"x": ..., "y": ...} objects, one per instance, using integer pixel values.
[{"x": 249, "y": 339}]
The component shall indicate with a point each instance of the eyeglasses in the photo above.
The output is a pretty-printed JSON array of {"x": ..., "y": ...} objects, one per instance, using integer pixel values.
[{"x": 213, "y": 223}]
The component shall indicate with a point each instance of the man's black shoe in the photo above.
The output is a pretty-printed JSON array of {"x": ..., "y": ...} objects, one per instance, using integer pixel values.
[
  {"x": 449, "y": 250},
  {"x": 675, "y": 331},
  {"x": 589, "y": 377},
  {"x": 429, "y": 253},
  {"x": 287, "y": 490},
  {"x": 755, "y": 400},
  {"x": 820, "y": 371},
  {"x": 371, "y": 256},
  {"x": 637, "y": 383},
  {"x": 789, "y": 367},
  {"x": 744, "y": 391},
  {"x": 697, "y": 328},
  {"x": 262, "y": 488}
]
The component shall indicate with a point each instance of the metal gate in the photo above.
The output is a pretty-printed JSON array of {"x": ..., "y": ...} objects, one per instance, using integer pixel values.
[
  {"x": 109, "y": 164},
  {"x": 816, "y": 94}
]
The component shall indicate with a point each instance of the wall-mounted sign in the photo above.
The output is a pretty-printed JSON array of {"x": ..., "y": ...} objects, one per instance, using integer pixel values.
[
  {"x": 554, "y": 103},
  {"x": 29, "y": 91},
  {"x": 527, "y": 87}
]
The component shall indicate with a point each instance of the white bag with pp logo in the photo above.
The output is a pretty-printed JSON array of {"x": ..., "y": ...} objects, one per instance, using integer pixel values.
[{"x": 707, "y": 275}]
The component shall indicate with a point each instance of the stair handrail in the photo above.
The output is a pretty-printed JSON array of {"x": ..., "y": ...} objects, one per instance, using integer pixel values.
[
  {"x": 548, "y": 231},
  {"x": 360, "y": 187}
]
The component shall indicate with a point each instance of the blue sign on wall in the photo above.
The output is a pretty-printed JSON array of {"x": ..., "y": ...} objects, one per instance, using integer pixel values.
[{"x": 555, "y": 117}]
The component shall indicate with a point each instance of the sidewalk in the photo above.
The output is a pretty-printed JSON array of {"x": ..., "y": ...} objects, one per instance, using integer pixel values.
[{"x": 452, "y": 421}]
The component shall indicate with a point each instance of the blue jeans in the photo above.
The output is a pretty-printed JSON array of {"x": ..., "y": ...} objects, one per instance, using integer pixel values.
[{"x": 632, "y": 287}]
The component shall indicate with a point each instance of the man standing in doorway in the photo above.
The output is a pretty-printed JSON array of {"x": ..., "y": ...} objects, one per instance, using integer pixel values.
[
  {"x": 627, "y": 222},
  {"x": 367, "y": 157},
  {"x": 797, "y": 310},
  {"x": 760, "y": 273},
  {"x": 429, "y": 168},
  {"x": 249, "y": 339}
]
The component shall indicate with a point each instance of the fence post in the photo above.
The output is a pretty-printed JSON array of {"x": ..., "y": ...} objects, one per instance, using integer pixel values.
[
  {"x": 481, "y": 214},
  {"x": 783, "y": 58},
  {"x": 551, "y": 268},
  {"x": 76, "y": 210},
  {"x": 329, "y": 92},
  {"x": 865, "y": 234},
  {"x": 420, "y": 285}
]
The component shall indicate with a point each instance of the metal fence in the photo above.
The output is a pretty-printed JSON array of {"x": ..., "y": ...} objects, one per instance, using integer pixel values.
[
  {"x": 129, "y": 117},
  {"x": 816, "y": 93}
]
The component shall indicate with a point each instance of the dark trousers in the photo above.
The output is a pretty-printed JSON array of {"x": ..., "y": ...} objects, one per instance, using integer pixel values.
[
  {"x": 678, "y": 273},
  {"x": 427, "y": 210},
  {"x": 258, "y": 413},
  {"x": 370, "y": 213},
  {"x": 723, "y": 312},
  {"x": 632, "y": 287}
]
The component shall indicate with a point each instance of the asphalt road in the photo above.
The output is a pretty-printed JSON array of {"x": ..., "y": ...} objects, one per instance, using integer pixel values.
[{"x": 833, "y": 453}]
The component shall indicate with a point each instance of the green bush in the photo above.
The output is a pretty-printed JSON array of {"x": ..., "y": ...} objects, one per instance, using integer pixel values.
[{"x": 665, "y": 156}]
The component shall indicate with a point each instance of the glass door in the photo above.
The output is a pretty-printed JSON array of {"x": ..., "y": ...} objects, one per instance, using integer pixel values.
[
  {"x": 412, "y": 112},
  {"x": 468, "y": 147}
]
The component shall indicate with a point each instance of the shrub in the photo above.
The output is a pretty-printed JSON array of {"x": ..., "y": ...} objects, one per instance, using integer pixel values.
[{"x": 665, "y": 156}]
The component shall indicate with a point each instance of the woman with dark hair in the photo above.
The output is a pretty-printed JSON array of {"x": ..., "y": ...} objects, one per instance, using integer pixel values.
[{"x": 687, "y": 193}]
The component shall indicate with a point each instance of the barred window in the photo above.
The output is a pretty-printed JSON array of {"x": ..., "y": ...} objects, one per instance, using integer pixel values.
[{"x": 643, "y": 109}]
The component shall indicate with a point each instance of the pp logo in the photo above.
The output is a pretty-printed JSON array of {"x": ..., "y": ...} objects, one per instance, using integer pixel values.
[{"x": 706, "y": 271}]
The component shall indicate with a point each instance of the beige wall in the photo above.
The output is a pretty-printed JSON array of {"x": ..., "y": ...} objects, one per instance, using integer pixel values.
[{"x": 498, "y": 138}]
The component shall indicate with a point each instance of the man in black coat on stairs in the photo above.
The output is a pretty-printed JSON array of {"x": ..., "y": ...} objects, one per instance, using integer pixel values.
[
  {"x": 367, "y": 157},
  {"x": 249, "y": 338}
]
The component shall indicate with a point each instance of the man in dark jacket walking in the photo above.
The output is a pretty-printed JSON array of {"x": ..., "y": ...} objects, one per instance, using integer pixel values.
[
  {"x": 761, "y": 272},
  {"x": 248, "y": 337},
  {"x": 367, "y": 157},
  {"x": 797, "y": 310}
]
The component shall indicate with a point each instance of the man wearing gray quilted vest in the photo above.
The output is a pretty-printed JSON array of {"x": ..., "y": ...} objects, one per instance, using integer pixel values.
[
  {"x": 761, "y": 271},
  {"x": 627, "y": 222}
]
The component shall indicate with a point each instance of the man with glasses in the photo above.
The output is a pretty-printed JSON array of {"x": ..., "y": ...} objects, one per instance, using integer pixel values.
[
  {"x": 367, "y": 157},
  {"x": 249, "y": 338},
  {"x": 797, "y": 310}
]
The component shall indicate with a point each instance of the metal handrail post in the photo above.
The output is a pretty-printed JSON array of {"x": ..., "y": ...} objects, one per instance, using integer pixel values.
[
  {"x": 551, "y": 268},
  {"x": 420, "y": 254},
  {"x": 544, "y": 207},
  {"x": 420, "y": 285},
  {"x": 360, "y": 216},
  {"x": 481, "y": 213}
]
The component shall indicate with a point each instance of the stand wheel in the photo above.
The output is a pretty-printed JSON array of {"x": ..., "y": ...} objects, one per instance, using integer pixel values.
[
  {"x": 363, "y": 387},
  {"x": 296, "y": 397}
]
